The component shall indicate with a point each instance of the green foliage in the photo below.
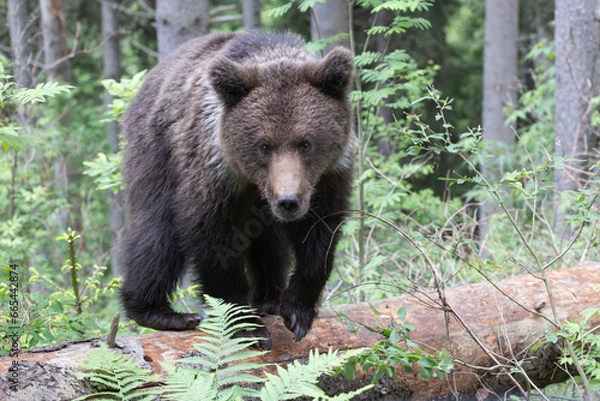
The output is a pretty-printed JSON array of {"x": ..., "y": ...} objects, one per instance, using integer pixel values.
[
  {"x": 222, "y": 364},
  {"x": 218, "y": 369},
  {"x": 586, "y": 346},
  {"x": 41, "y": 92},
  {"x": 389, "y": 188},
  {"x": 10, "y": 138},
  {"x": 117, "y": 375},
  {"x": 105, "y": 169},
  {"x": 402, "y": 21},
  {"x": 522, "y": 226},
  {"x": 320, "y": 44},
  {"x": 303, "y": 6},
  {"x": 399, "y": 5},
  {"x": 11, "y": 98},
  {"x": 221, "y": 356},
  {"x": 123, "y": 93},
  {"x": 384, "y": 357},
  {"x": 66, "y": 312},
  {"x": 298, "y": 380}
]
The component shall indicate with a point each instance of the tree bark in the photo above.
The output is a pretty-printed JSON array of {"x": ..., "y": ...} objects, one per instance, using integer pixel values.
[
  {"x": 54, "y": 30},
  {"x": 500, "y": 67},
  {"x": 18, "y": 19},
  {"x": 385, "y": 145},
  {"x": 577, "y": 43},
  {"x": 176, "y": 25},
  {"x": 499, "y": 90},
  {"x": 481, "y": 325},
  {"x": 112, "y": 70},
  {"x": 58, "y": 67},
  {"x": 329, "y": 19},
  {"x": 251, "y": 14}
]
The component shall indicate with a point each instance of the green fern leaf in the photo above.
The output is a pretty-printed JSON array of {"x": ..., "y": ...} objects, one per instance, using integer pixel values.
[
  {"x": 221, "y": 364},
  {"x": 297, "y": 380},
  {"x": 118, "y": 373},
  {"x": 41, "y": 92},
  {"x": 349, "y": 396},
  {"x": 183, "y": 384}
]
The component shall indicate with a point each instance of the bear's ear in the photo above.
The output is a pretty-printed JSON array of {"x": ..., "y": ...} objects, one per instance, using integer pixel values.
[
  {"x": 333, "y": 74},
  {"x": 232, "y": 81}
]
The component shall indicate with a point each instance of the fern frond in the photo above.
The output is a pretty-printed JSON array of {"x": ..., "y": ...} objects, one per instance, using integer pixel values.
[
  {"x": 185, "y": 384},
  {"x": 228, "y": 351},
  {"x": 222, "y": 364},
  {"x": 300, "y": 380},
  {"x": 119, "y": 374},
  {"x": 349, "y": 396},
  {"x": 221, "y": 360}
]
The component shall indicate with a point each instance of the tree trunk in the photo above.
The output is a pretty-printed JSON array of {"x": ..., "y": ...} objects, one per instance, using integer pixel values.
[
  {"x": 385, "y": 145},
  {"x": 480, "y": 325},
  {"x": 18, "y": 19},
  {"x": 176, "y": 25},
  {"x": 112, "y": 69},
  {"x": 499, "y": 90},
  {"x": 58, "y": 67},
  {"x": 577, "y": 45},
  {"x": 251, "y": 14},
  {"x": 329, "y": 19},
  {"x": 18, "y": 24},
  {"x": 54, "y": 30}
]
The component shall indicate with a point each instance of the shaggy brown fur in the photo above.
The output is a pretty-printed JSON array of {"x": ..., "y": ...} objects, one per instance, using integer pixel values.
[{"x": 239, "y": 155}]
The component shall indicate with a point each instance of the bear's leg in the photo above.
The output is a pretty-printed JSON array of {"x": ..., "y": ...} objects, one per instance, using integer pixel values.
[
  {"x": 314, "y": 245},
  {"x": 154, "y": 265},
  {"x": 223, "y": 277},
  {"x": 267, "y": 268}
]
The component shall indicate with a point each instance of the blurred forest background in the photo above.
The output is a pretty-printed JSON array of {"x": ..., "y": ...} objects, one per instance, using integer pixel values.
[{"x": 477, "y": 140}]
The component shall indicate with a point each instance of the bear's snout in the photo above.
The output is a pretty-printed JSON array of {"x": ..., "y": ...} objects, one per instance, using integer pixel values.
[
  {"x": 288, "y": 205},
  {"x": 288, "y": 190}
]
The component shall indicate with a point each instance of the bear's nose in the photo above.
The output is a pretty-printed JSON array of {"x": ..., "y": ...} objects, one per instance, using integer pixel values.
[{"x": 288, "y": 205}]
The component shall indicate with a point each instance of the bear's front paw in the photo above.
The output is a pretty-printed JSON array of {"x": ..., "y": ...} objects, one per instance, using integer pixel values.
[
  {"x": 298, "y": 318},
  {"x": 167, "y": 320}
]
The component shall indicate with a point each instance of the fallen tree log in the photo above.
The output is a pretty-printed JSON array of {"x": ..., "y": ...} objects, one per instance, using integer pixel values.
[{"x": 482, "y": 326}]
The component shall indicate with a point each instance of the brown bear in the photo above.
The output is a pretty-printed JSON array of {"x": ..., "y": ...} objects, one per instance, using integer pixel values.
[{"x": 238, "y": 164}]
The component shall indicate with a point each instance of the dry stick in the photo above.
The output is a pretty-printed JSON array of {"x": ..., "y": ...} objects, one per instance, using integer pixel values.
[
  {"x": 542, "y": 268},
  {"x": 362, "y": 146},
  {"x": 576, "y": 362},
  {"x": 444, "y": 304},
  {"x": 112, "y": 331},
  {"x": 74, "y": 278}
]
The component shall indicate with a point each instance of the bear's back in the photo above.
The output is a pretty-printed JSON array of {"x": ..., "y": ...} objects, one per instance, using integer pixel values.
[{"x": 178, "y": 81}]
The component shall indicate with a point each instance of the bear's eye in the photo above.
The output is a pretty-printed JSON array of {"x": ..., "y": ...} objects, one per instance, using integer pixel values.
[
  {"x": 265, "y": 149},
  {"x": 305, "y": 147}
]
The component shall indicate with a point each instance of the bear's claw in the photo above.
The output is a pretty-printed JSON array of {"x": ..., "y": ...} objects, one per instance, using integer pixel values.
[{"x": 299, "y": 321}]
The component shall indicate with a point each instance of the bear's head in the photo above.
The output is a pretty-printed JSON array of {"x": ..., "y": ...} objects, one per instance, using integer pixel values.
[{"x": 285, "y": 124}]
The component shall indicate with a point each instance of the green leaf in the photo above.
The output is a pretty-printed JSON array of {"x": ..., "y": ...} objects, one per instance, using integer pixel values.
[
  {"x": 320, "y": 44},
  {"x": 41, "y": 92},
  {"x": 280, "y": 11},
  {"x": 551, "y": 337}
]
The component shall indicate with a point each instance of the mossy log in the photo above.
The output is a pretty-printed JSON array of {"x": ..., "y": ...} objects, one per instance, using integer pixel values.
[{"x": 482, "y": 326}]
